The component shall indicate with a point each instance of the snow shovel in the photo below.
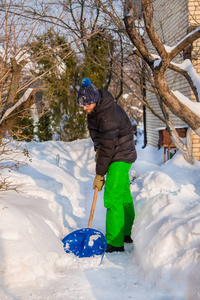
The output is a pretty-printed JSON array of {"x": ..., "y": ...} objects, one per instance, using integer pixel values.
[{"x": 86, "y": 242}]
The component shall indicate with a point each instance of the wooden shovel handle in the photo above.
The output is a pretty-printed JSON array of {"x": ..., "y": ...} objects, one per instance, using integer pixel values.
[{"x": 93, "y": 208}]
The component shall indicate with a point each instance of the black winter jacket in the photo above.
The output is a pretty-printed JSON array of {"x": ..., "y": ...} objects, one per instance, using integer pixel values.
[{"x": 111, "y": 132}]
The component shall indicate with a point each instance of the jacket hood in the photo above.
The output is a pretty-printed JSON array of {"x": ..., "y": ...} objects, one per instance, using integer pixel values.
[{"x": 105, "y": 101}]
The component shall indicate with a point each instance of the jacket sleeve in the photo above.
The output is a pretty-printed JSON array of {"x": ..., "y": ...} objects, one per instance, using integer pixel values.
[
  {"x": 108, "y": 139},
  {"x": 95, "y": 138}
]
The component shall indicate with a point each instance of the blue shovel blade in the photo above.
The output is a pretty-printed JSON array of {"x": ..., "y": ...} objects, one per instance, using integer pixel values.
[{"x": 85, "y": 242}]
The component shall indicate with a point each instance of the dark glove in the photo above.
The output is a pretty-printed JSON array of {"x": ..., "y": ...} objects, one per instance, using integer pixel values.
[
  {"x": 96, "y": 156},
  {"x": 98, "y": 182}
]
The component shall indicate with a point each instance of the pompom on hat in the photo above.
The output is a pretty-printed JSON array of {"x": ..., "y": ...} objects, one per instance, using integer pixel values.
[{"x": 88, "y": 93}]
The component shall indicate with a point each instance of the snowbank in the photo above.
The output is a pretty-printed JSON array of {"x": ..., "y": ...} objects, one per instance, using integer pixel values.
[
  {"x": 167, "y": 227},
  {"x": 55, "y": 199}
]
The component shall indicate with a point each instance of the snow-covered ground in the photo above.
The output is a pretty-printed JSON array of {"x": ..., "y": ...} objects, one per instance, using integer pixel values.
[{"x": 55, "y": 199}]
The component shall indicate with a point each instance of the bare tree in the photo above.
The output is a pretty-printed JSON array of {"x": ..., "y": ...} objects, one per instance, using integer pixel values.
[
  {"x": 158, "y": 66},
  {"x": 131, "y": 25},
  {"x": 21, "y": 23},
  {"x": 152, "y": 59}
]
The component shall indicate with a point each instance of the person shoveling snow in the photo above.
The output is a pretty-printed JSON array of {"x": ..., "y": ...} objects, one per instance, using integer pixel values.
[{"x": 112, "y": 134}]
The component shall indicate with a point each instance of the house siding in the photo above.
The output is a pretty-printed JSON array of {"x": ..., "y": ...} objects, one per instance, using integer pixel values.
[
  {"x": 194, "y": 19},
  {"x": 171, "y": 22},
  {"x": 196, "y": 146}
]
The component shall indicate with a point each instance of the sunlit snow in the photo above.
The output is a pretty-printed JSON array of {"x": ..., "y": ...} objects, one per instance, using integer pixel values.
[{"x": 56, "y": 198}]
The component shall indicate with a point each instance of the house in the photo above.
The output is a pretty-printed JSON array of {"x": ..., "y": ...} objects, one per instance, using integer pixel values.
[{"x": 173, "y": 20}]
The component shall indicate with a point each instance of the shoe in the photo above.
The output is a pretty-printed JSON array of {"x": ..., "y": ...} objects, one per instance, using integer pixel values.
[
  {"x": 128, "y": 239},
  {"x": 111, "y": 249}
]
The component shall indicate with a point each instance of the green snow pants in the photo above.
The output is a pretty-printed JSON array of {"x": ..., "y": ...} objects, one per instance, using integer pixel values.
[{"x": 119, "y": 203}]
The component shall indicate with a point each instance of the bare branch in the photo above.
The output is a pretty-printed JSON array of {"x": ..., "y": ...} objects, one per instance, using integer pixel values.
[
  {"x": 148, "y": 19},
  {"x": 22, "y": 99},
  {"x": 137, "y": 40},
  {"x": 194, "y": 84},
  {"x": 188, "y": 39}
]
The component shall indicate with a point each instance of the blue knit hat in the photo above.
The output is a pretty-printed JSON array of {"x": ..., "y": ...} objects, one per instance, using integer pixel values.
[{"x": 88, "y": 93}]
